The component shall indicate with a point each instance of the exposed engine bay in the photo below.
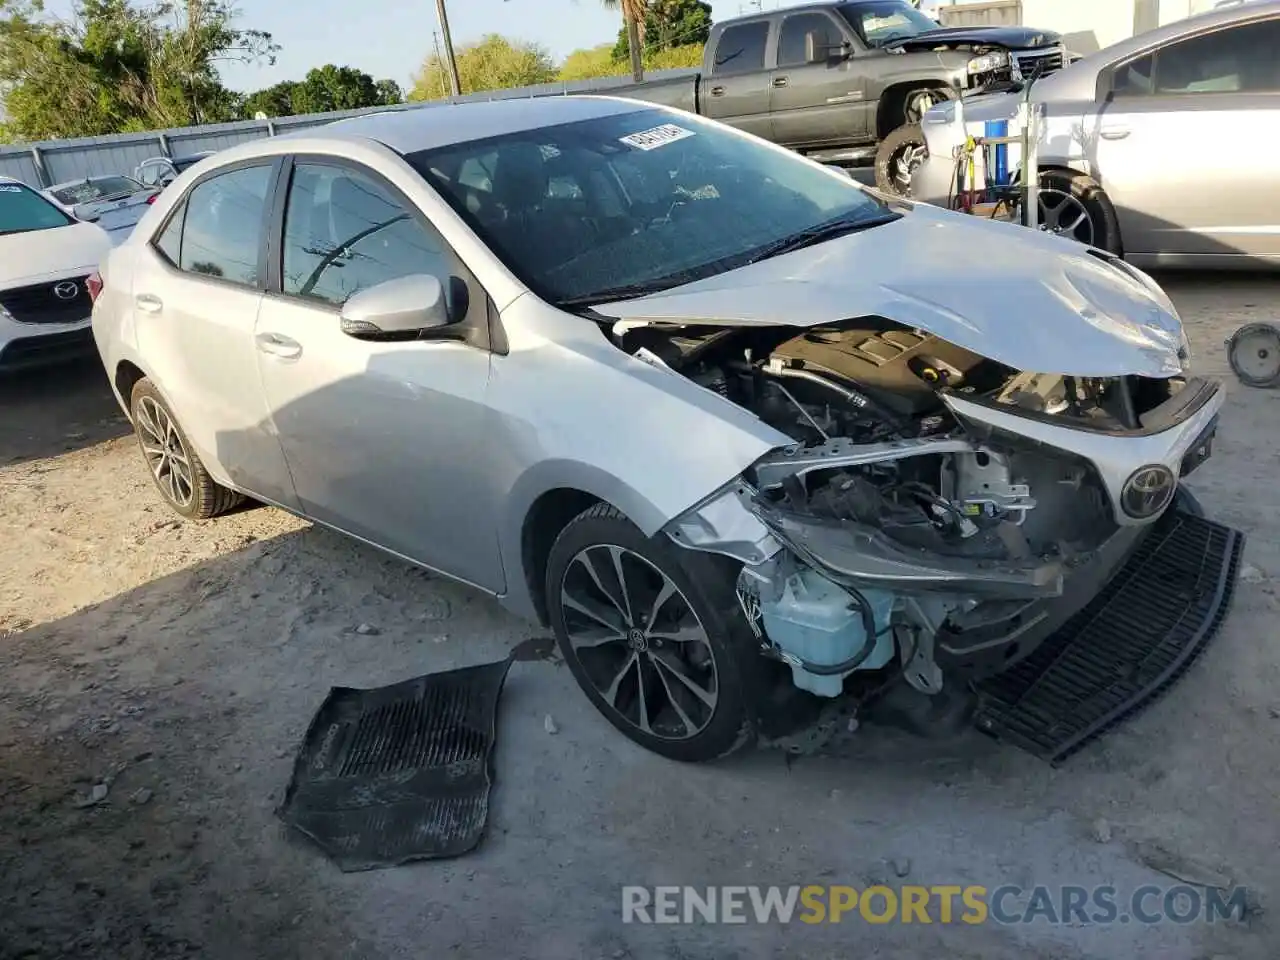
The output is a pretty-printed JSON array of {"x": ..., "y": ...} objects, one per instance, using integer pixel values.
[{"x": 904, "y": 519}]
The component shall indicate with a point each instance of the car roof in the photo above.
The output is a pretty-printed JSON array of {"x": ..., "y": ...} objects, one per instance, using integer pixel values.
[{"x": 424, "y": 128}]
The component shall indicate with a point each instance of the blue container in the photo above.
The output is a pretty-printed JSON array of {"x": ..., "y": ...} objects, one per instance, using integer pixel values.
[
  {"x": 821, "y": 623},
  {"x": 998, "y": 171}
]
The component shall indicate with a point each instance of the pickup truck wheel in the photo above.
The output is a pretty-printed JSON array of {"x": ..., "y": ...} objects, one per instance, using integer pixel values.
[
  {"x": 898, "y": 157},
  {"x": 655, "y": 636}
]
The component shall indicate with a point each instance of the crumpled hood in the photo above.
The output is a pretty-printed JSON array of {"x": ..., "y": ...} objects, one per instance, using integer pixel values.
[
  {"x": 1012, "y": 38},
  {"x": 1024, "y": 298},
  {"x": 37, "y": 255}
]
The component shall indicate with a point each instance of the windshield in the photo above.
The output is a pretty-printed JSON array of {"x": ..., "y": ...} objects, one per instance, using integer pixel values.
[
  {"x": 98, "y": 188},
  {"x": 633, "y": 203},
  {"x": 880, "y": 22},
  {"x": 23, "y": 210}
]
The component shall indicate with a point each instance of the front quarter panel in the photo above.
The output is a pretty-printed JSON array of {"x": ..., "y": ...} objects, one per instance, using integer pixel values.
[{"x": 571, "y": 411}]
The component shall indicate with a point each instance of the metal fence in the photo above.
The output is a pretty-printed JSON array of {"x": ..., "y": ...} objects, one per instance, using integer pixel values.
[{"x": 57, "y": 161}]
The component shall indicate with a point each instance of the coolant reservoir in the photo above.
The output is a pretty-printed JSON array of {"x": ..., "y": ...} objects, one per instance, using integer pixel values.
[{"x": 820, "y": 622}]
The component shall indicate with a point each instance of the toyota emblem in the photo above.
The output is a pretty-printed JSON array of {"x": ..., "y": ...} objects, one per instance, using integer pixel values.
[
  {"x": 1148, "y": 491},
  {"x": 66, "y": 290}
]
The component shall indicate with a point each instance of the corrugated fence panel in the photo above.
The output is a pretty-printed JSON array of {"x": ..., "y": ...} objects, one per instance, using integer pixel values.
[
  {"x": 74, "y": 160},
  {"x": 20, "y": 165},
  {"x": 121, "y": 153}
]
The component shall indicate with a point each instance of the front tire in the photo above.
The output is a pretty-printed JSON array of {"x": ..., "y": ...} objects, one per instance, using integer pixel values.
[
  {"x": 898, "y": 157},
  {"x": 177, "y": 471},
  {"x": 654, "y": 635},
  {"x": 1075, "y": 206}
]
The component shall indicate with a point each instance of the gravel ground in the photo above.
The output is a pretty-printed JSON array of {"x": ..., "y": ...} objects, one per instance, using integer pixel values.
[{"x": 169, "y": 670}]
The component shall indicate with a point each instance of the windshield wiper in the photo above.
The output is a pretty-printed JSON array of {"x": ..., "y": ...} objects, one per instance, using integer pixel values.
[{"x": 820, "y": 233}]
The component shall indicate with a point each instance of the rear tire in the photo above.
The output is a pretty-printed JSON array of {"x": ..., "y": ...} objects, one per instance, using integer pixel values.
[
  {"x": 636, "y": 650},
  {"x": 176, "y": 470},
  {"x": 898, "y": 157}
]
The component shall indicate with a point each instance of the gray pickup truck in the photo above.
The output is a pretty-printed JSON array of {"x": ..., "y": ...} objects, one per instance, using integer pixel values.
[{"x": 848, "y": 81}]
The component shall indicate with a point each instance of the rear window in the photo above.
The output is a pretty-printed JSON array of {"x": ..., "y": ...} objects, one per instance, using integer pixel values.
[
  {"x": 98, "y": 188},
  {"x": 22, "y": 210},
  {"x": 741, "y": 48}
]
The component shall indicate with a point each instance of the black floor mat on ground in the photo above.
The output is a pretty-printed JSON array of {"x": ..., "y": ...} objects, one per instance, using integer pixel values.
[
  {"x": 399, "y": 773},
  {"x": 1126, "y": 648}
]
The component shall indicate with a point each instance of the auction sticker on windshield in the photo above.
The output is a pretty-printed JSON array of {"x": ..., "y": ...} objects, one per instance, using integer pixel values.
[{"x": 656, "y": 137}]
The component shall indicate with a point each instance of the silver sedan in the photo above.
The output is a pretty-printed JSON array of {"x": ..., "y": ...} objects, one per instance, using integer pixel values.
[
  {"x": 745, "y": 435},
  {"x": 1160, "y": 147}
]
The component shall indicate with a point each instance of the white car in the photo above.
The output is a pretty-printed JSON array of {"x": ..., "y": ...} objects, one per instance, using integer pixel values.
[{"x": 46, "y": 259}]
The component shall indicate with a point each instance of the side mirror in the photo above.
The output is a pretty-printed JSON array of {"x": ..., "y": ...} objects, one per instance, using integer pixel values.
[
  {"x": 83, "y": 212},
  {"x": 405, "y": 305}
]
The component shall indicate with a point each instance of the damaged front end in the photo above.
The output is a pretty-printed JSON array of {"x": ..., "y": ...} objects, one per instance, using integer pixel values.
[{"x": 941, "y": 514}]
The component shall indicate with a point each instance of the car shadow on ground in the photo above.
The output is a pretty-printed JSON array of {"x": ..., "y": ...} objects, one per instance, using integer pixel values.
[{"x": 55, "y": 410}]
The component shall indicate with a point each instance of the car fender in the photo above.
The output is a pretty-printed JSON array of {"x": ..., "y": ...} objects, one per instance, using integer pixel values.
[{"x": 571, "y": 411}]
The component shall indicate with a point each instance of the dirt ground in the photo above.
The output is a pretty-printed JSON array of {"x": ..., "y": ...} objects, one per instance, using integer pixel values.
[{"x": 169, "y": 670}]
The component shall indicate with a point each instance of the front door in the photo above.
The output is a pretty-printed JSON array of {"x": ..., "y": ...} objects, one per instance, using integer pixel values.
[
  {"x": 816, "y": 104},
  {"x": 197, "y": 289},
  {"x": 384, "y": 440},
  {"x": 738, "y": 89},
  {"x": 1185, "y": 146}
]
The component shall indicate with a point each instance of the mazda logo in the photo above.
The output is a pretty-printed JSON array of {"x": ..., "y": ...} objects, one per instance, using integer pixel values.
[
  {"x": 67, "y": 290},
  {"x": 1148, "y": 491}
]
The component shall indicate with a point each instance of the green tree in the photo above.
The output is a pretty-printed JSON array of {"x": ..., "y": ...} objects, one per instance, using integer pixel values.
[
  {"x": 599, "y": 61},
  {"x": 274, "y": 101},
  {"x": 633, "y": 17},
  {"x": 668, "y": 24},
  {"x": 120, "y": 65},
  {"x": 389, "y": 93},
  {"x": 493, "y": 63}
]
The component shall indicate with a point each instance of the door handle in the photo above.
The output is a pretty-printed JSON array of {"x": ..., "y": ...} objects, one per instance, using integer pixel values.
[
  {"x": 1114, "y": 133},
  {"x": 717, "y": 91},
  {"x": 779, "y": 81},
  {"x": 276, "y": 345},
  {"x": 148, "y": 303}
]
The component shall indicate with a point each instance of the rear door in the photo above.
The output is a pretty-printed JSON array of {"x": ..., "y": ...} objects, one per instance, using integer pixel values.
[
  {"x": 737, "y": 91},
  {"x": 822, "y": 102},
  {"x": 197, "y": 290},
  {"x": 1187, "y": 137}
]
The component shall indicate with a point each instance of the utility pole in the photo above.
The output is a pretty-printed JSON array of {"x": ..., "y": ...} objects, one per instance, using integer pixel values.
[
  {"x": 633, "y": 44},
  {"x": 450, "y": 63}
]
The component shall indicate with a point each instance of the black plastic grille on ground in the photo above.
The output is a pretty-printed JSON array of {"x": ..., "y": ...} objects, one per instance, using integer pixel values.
[
  {"x": 399, "y": 773},
  {"x": 1123, "y": 650}
]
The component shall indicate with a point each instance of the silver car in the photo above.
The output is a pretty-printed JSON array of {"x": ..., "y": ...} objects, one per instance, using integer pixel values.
[
  {"x": 1160, "y": 147},
  {"x": 115, "y": 203},
  {"x": 745, "y": 436}
]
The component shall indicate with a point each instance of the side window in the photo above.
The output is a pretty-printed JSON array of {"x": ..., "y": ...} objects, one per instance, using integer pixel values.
[
  {"x": 741, "y": 48},
  {"x": 169, "y": 240},
  {"x": 1233, "y": 60},
  {"x": 794, "y": 28},
  {"x": 222, "y": 232},
  {"x": 343, "y": 233}
]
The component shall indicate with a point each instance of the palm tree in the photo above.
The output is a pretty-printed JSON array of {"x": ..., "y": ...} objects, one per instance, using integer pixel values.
[{"x": 633, "y": 12}]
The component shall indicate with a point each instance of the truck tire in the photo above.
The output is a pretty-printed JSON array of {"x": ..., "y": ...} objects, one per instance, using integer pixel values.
[
  {"x": 897, "y": 158},
  {"x": 1065, "y": 196}
]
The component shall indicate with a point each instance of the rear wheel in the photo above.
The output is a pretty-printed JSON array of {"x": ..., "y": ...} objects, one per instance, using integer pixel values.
[
  {"x": 654, "y": 636},
  {"x": 178, "y": 473}
]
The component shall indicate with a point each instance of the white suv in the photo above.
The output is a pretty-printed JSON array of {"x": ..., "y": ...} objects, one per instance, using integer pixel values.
[{"x": 47, "y": 259}]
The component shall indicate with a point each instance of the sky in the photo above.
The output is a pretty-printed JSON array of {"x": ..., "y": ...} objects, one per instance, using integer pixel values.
[{"x": 391, "y": 38}]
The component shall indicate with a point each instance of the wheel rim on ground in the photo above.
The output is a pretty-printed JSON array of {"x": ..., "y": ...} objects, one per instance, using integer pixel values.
[
  {"x": 639, "y": 642},
  {"x": 165, "y": 452},
  {"x": 1063, "y": 214}
]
